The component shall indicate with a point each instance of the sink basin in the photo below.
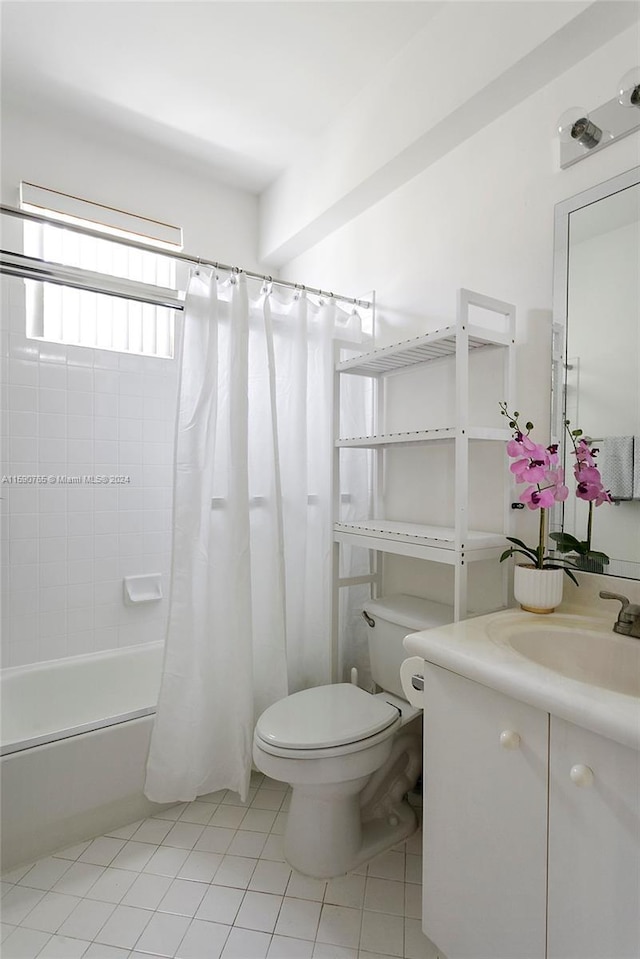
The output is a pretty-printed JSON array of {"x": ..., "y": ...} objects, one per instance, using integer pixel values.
[{"x": 576, "y": 649}]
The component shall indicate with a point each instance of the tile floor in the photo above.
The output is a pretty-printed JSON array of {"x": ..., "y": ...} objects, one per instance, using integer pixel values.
[{"x": 207, "y": 880}]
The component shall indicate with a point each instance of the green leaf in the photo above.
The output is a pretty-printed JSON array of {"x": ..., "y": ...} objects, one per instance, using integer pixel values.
[{"x": 567, "y": 543}]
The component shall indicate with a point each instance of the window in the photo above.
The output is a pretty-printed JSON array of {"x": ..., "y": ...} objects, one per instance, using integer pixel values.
[{"x": 83, "y": 317}]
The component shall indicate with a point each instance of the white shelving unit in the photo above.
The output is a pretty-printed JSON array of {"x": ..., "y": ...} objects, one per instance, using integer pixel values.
[{"x": 457, "y": 545}]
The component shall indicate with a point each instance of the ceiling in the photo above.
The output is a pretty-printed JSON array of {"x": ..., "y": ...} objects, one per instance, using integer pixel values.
[{"x": 240, "y": 87}]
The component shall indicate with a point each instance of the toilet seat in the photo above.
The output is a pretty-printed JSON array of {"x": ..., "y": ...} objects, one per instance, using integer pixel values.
[{"x": 325, "y": 720}]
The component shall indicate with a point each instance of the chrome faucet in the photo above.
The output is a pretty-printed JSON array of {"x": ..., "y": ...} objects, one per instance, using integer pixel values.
[{"x": 628, "y": 622}]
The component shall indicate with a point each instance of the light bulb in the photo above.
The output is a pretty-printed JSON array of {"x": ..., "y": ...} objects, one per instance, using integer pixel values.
[
  {"x": 629, "y": 88},
  {"x": 574, "y": 126}
]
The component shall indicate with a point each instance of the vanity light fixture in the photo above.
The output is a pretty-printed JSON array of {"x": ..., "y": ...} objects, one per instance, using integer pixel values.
[
  {"x": 582, "y": 132},
  {"x": 629, "y": 89},
  {"x": 574, "y": 124}
]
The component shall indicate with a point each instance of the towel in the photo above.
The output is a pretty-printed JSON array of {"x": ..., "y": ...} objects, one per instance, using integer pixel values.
[{"x": 619, "y": 466}]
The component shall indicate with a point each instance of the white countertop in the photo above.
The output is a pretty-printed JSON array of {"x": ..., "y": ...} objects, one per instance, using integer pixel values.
[{"x": 477, "y": 649}]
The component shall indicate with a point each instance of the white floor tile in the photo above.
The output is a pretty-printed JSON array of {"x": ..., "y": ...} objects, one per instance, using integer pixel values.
[
  {"x": 15, "y": 875},
  {"x": 279, "y": 823},
  {"x": 412, "y": 900},
  {"x": 5, "y": 930},
  {"x": 304, "y": 887},
  {"x": 235, "y": 871},
  {"x": 203, "y": 940},
  {"x": 87, "y": 919},
  {"x": 72, "y": 852},
  {"x": 214, "y": 839},
  {"x": 268, "y": 799},
  {"x": 232, "y": 798},
  {"x": 151, "y": 830},
  {"x": 259, "y": 911},
  {"x": 101, "y": 851},
  {"x": 183, "y": 897},
  {"x": 382, "y": 933},
  {"x": 124, "y": 832},
  {"x": 45, "y": 873},
  {"x": 273, "y": 848},
  {"x": 200, "y": 866},
  {"x": 79, "y": 878},
  {"x": 24, "y": 943},
  {"x": 389, "y": 865},
  {"x": 198, "y": 812},
  {"x": 52, "y": 910},
  {"x": 416, "y": 944},
  {"x": 246, "y": 843},
  {"x": 183, "y": 835},
  {"x": 346, "y": 891},
  {"x": 63, "y": 947},
  {"x": 413, "y": 869},
  {"x": 166, "y": 861},
  {"x": 298, "y": 918},
  {"x": 134, "y": 855},
  {"x": 18, "y": 902},
  {"x": 98, "y": 950},
  {"x": 124, "y": 927},
  {"x": 163, "y": 934},
  {"x": 270, "y": 877},
  {"x": 229, "y": 817},
  {"x": 327, "y": 950},
  {"x": 339, "y": 926},
  {"x": 112, "y": 885},
  {"x": 282, "y": 947},
  {"x": 258, "y": 820},
  {"x": 147, "y": 891},
  {"x": 220, "y": 904},
  {"x": 245, "y": 944},
  {"x": 384, "y": 895},
  {"x": 172, "y": 812}
]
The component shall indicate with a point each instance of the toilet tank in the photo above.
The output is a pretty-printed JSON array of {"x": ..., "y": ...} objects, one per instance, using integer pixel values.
[{"x": 393, "y": 617}]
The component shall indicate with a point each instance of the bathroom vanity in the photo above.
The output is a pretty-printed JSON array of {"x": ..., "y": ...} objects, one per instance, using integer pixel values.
[{"x": 532, "y": 787}]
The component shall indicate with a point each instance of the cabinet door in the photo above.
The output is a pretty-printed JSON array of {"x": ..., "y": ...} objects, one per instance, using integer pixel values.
[
  {"x": 594, "y": 846},
  {"x": 485, "y": 821}
]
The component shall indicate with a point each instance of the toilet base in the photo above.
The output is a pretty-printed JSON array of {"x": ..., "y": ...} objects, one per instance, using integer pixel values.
[{"x": 339, "y": 841}]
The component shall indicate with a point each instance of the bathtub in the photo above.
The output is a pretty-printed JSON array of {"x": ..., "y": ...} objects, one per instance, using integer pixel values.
[{"x": 75, "y": 736}]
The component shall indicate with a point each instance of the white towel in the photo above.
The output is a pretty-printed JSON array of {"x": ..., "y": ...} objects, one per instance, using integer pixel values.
[{"x": 619, "y": 465}]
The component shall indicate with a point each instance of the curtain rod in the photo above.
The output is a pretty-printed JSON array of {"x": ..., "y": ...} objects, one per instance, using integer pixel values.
[{"x": 185, "y": 257}]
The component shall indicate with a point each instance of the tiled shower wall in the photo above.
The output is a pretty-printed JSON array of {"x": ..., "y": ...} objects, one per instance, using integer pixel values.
[{"x": 69, "y": 413}]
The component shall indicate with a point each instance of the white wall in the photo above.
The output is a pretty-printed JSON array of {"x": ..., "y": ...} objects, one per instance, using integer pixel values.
[
  {"x": 481, "y": 217},
  {"x": 73, "y": 411}
]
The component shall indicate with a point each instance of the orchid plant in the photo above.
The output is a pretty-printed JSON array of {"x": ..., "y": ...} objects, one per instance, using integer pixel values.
[
  {"x": 589, "y": 487},
  {"x": 538, "y": 467}
]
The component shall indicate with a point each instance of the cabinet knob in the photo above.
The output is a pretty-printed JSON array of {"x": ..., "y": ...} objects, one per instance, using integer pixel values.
[
  {"x": 581, "y": 775},
  {"x": 509, "y": 739}
]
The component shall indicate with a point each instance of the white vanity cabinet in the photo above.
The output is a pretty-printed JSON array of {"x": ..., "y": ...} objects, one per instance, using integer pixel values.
[
  {"x": 531, "y": 830},
  {"x": 594, "y": 846},
  {"x": 485, "y": 821}
]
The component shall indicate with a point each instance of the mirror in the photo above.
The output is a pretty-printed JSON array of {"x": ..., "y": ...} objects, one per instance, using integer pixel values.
[{"x": 596, "y": 362}]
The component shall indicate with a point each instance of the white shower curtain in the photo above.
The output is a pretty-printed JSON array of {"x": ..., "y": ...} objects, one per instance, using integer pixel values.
[{"x": 249, "y": 611}]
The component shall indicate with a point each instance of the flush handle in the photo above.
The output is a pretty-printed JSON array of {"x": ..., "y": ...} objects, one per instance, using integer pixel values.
[{"x": 417, "y": 682}]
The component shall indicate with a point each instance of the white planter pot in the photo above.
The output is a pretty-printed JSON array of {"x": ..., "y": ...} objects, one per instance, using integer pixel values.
[{"x": 537, "y": 590}]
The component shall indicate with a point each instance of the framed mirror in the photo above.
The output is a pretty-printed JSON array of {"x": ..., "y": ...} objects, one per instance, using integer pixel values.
[{"x": 596, "y": 364}]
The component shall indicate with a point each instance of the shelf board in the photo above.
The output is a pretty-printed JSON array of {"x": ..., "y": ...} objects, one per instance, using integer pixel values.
[
  {"x": 412, "y": 437},
  {"x": 419, "y": 349},
  {"x": 414, "y": 539}
]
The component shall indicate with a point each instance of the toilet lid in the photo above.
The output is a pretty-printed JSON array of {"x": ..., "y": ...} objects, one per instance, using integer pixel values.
[{"x": 324, "y": 716}]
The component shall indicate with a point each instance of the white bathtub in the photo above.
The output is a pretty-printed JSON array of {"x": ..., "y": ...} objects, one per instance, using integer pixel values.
[{"x": 75, "y": 735}]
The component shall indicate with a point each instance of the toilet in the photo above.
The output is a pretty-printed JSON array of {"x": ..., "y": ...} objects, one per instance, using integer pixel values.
[{"x": 350, "y": 756}]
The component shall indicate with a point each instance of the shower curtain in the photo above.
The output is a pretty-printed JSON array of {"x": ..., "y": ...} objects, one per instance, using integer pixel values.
[{"x": 249, "y": 609}]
